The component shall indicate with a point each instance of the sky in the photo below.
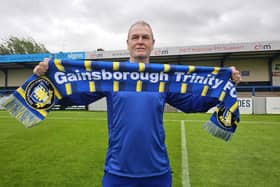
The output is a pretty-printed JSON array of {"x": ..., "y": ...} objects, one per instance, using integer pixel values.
[{"x": 86, "y": 25}]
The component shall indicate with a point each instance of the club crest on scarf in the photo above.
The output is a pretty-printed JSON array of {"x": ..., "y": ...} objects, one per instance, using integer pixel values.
[
  {"x": 40, "y": 94},
  {"x": 225, "y": 118}
]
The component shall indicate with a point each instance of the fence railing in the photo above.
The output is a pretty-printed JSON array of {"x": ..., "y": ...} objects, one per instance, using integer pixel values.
[{"x": 254, "y": 89}]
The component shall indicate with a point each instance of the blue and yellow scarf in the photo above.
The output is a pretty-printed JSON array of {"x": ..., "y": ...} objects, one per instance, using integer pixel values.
[{"x": 32, "y": 101}]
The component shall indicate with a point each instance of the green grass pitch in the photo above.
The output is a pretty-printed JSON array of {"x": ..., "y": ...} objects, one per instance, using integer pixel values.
[{"x": 68, "y": 150}]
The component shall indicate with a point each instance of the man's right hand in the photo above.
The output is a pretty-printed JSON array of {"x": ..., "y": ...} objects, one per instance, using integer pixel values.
[{"x": 42, "y": 67}]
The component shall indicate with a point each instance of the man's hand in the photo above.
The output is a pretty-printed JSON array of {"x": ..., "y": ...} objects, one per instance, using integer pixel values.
[
  {"x": 42, "y": 67},
  {"x": 235, "y": 76}
]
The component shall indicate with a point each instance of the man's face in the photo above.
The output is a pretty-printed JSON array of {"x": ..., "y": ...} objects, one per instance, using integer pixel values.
[{"x": 140, "y": 43}]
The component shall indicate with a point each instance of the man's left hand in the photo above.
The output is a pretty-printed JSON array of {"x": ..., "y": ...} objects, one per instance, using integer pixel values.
[{"x": 235, "y": 76}]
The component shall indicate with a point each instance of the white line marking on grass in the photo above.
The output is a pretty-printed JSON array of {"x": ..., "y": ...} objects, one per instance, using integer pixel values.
[
  {"x": 166, "y": 120},
  {"x": 185, "y": 165}
]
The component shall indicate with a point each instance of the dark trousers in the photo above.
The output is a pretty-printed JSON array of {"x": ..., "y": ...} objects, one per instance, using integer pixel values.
[{"x": 110, "y": 180}]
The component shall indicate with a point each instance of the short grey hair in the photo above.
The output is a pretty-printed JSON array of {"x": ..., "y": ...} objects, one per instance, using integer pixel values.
[{"x": 141, "y": 22}]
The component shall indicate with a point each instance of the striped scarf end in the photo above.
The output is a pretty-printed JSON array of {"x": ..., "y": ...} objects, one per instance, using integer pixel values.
[
  {"x": 216, "y": 131},
  {"x": 19, "y": 111}
]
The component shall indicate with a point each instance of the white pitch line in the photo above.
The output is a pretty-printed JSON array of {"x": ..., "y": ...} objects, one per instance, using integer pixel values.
[
  {"x": 185, "y": 165},
  {"x": 166, "y": 120}
]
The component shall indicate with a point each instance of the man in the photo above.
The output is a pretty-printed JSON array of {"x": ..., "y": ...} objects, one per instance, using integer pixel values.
[{"x": 137, "y": 155}]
